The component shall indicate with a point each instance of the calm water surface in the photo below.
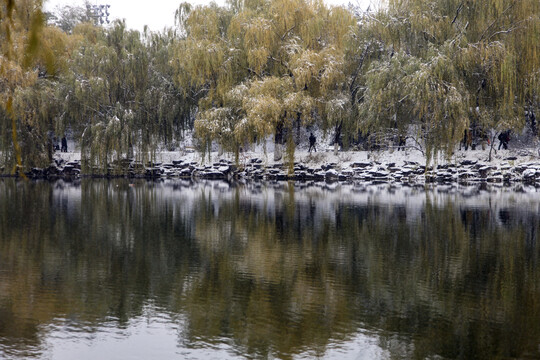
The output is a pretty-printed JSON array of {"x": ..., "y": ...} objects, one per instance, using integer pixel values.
[{"x": 178, "y": 270}]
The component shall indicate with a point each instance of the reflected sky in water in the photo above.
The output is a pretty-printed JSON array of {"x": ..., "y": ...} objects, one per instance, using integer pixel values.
[{"x": 175, "y": 269}]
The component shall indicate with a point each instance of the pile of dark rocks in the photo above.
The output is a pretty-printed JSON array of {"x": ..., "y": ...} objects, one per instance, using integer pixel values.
[
  {"x": 408, "y": 172},
  {"x": 58, "y": 169},
  {"x": 466, "y": 171}
]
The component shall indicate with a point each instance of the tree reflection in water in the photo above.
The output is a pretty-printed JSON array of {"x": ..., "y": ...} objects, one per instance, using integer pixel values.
[{"x": 281, "y": 270}]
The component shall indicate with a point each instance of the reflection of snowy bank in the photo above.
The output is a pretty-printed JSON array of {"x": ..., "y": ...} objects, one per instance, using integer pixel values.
[
  {"x": 332, "y": 247},
  {"x": 316, "y": 200},
  {"x": 477, "y": 196}
]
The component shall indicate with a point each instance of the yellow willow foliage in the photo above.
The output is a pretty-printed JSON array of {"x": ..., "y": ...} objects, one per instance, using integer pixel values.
[
  {"x": 204, "y": 22},
  {"x": 202, "y": 61},
  {"x": 288, "y": 57},
  {"x": 227, "y": 124},
  {"x": 437, "y": 21},
  {"x": 264, "y": 103},
  {"x": 428, "y": 95},
  {"x": 113, "y": 142},
  {"x": 439, "y": 101},
  {"x": 205, "y": 124},
  {"x": 300, "y": 102},
  {"x": 238, "y": 6},
  {"x": 258, "y": 41},
  {"x": 339, "y": 25},
  {"x": 32, "y": 105},
  {"x": 516, "y": 24},
  {"x": 337, "y": 108},
  {"x": 244, "y": 129},
  {"x": 318, "y": 72},
  {"x": 238, "y": 23},
  {"x": 213, "y": 122},
  {"x": 88, "y": 32},
  {"x": 55, "y": 49},
  {"x": 306, "y": 67},
  {"x": 314, "y": 26},
  {"x": 271, "y": 86},
  {"x": 288, "y": 15},
  {"x": 384, "y": 83},
  {"x": 332, "y": 75},
  {"x": 13, "y": 75},
  {"x": 483, "y": 54},
  {"x": 20, "y": 25},
  {"x": 508, "y": 80}
]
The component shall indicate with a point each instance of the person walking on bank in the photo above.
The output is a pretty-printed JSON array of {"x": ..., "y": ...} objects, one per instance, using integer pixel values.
[
  {"x": 504, "y": 138},
  {"x": 64, "y": 144},
  {"x": 312, "y": 140}
]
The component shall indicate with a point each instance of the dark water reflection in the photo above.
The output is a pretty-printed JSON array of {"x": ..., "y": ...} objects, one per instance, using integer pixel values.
[{"x": 109, "y": 269}]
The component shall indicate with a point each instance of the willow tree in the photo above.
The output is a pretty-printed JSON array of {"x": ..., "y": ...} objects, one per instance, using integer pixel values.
[
  {"x": 32, "y": 57},
  {"x": 501, "y": 60},
  {"x": 199, "y": 57},
  {"x": 89, "y": 106},
  {"x": 172, "y": 111},
  {"x": 120, "y": 99},
  {"x": 263, "y": 68},
  {"x": 484, "y": 55}
]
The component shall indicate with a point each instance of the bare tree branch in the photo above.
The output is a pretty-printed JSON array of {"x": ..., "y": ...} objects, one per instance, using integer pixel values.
[
  {"x": 484, "y": 33},
  {"x": 457, "y": 12},
  {"x": 352, "y": 87},
  {"x": 508, "y": 31},
  {"x": 287, "y": 33}
]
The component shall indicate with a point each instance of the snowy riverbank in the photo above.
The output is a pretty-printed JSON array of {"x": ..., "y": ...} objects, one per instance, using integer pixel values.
[{"x": 389, "y": 166}]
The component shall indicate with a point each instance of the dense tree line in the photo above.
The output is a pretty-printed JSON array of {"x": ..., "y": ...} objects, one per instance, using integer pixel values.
[{"x": 240, "y": 73}]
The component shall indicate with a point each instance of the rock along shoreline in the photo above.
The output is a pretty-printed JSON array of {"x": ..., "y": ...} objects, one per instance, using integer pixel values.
[{"x": 506, "y": 170}]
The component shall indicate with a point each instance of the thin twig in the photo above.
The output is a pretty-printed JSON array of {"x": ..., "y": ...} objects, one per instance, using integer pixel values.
[
  {"x": 287, "y": 32},
  {"x": 509, "y": 30},
  {"x": 353, "y": 89},
  {"x": 495, "y": 21},
  {"x": 251, "y": 71},
  {"x": 457, "y": 12}
]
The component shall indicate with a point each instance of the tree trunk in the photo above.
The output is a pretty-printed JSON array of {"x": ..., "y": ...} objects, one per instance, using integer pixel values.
[
  {"x": 130, "y": 154},
  {"x": 298, "y": 123},
  {"x": 337, "y": 136},
  {"x": 278, "y": 151},
  {"x": 491, "y": 147},
  {"x": 278, "y": 142}
]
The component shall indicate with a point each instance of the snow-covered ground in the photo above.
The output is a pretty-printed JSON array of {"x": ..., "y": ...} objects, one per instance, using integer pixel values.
[{"x": 344, "y": 159}]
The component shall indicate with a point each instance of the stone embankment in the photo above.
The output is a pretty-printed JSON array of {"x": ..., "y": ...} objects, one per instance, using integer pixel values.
[{"x": 375, "y": 172}]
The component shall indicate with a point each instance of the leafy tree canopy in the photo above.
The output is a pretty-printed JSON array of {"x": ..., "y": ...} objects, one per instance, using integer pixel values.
[
  {"x": 259, "y": 67},
  {"x": 453, "y": 64},
  {"x": 239, "y": 73}
]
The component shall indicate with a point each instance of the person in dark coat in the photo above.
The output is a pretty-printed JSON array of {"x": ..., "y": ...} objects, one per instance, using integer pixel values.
[
  {"x": 504, "y": 138},
  {"x": 312, "y": 140},
  {"x": 64, "y": 144},
  {"x": 467, "y": 140},
  {"x": 402, "y": 141}
]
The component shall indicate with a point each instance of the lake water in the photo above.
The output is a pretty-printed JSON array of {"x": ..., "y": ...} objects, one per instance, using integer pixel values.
[{"x": 178, "y": 270}]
